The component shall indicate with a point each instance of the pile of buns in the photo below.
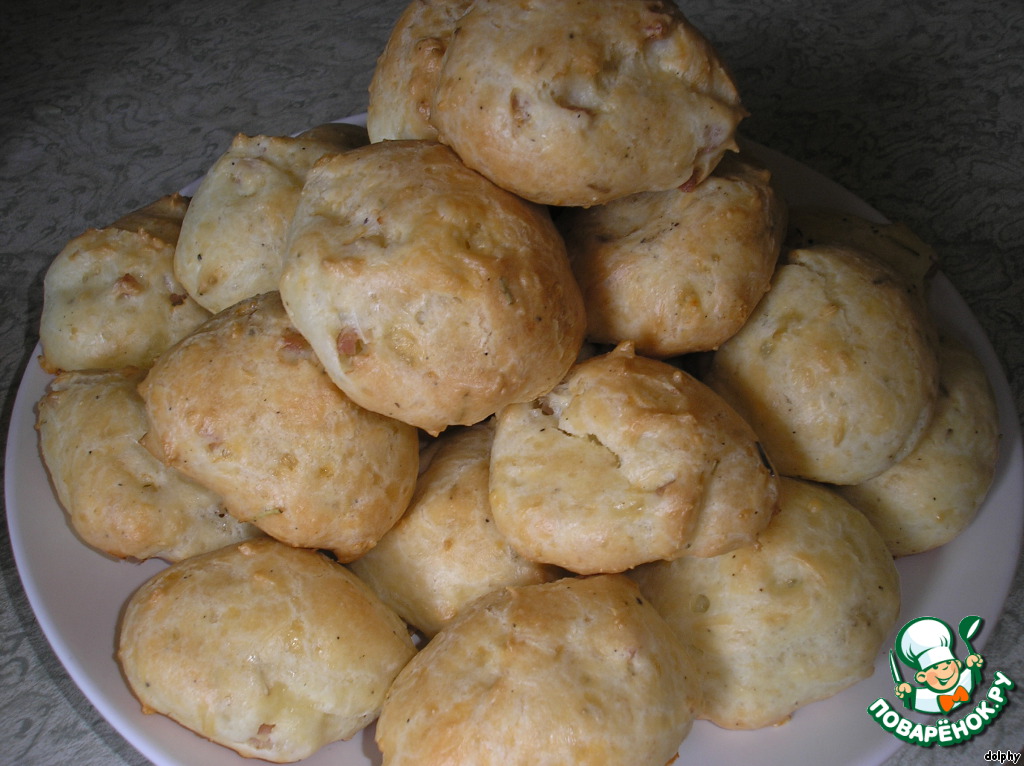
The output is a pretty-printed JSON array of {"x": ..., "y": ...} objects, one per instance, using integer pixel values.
[{"x": 538, "y": 368}]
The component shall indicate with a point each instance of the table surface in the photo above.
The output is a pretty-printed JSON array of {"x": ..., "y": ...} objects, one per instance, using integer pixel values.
[{"x": 917, "y": 107}]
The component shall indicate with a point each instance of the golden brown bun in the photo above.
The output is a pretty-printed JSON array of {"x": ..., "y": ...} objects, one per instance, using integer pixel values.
[
  {"x": 836, "y": 368},
  {"x": 677, "y": 271},
  {"x": 795, "y": 618},
  {"x": 578, "y": 671},
  {"x": 446, "y": 551},
  {"x": 243, "y": 406},
  {"x": 406, "y": 74},
  {"x": 578, "y": 103},
  {"x": 894, "y": 243},
  {"x": 269, "y": 650},
  {"x": 429, "y": 294},
  {"x": 232, "y": 239},
  {"x": 161, "y": 218},
  {"x": 932, "y": 494},
  {"x": 110, "y": 297},
  {"x": 119, "y": 498},
  {"x": 628, "y": 460}
]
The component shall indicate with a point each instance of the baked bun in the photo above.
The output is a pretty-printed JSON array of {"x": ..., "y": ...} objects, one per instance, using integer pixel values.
[
  {"x": 119, "y": 498},
  {"x": 243, "y": 407},
  {"x": 110, "y": 297},
  {"x": 628, "y": 460},
  {"x": 161, "y": 218},
  {"x": 269, "y": 650},
  {"x": 795, "y": 618},
  {"x": 445, "y": 551},
  {"x": 931, "y": 495},
  {"x": 677, "y": 271},
  {"x": 577, "y": 103},
  {"x": 232, "y": 239},
  {"x": 402, "y": 87},
  {"x": 894, "y": 243},
  {"x": 429, "y": 294},
  {"x": 835, "y": 369},
  {"x": 579, "y": 671}
]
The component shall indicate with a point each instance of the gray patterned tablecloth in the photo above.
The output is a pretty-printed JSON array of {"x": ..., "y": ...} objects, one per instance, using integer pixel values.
[{"x": 916, "y": 106}]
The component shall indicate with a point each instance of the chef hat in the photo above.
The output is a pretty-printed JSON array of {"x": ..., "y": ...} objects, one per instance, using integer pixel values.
[{"x": 924, "y": 642}]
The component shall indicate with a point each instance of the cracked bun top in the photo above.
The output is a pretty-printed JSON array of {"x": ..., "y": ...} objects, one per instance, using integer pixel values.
[{"x": 628, "y": 460}]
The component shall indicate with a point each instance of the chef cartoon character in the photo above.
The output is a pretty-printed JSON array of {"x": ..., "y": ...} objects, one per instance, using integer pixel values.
[{"x": 926, "y": 644}]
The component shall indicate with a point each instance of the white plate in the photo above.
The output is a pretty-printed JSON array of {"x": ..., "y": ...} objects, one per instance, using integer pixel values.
[{"x": 77, "y": 594}]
